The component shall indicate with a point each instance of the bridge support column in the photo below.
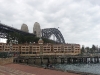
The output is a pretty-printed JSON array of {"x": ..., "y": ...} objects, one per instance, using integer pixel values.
[
  {"x": 91, "y": 60},
  {"x": 59, "y": 60},
  {"x": 62, "y": 60},
  {"x": 97, "y": 59}
]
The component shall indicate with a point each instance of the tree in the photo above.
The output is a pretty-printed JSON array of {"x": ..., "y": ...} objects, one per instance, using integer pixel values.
[
  {"x": 93, "y": 48},
  {"x": 88, "y": 49},
  {"x": 20, "y": 38},
  {"x": 82, "y": 50}
]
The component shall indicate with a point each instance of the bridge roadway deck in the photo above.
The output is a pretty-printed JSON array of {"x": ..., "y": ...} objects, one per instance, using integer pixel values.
[{"x": 5, "y": 29}]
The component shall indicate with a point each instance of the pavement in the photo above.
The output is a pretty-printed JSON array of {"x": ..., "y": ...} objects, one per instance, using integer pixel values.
[{"x": 19, "y": 69}]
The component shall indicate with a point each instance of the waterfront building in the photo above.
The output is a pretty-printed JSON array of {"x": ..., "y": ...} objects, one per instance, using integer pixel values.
[
  {"x": 35, "y": 49},
  {"x": 2, "y": 47}
]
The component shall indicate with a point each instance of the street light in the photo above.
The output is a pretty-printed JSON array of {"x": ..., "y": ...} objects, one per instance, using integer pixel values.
[
  {"x": 10, "y": 51},
  {"x": 55, "y": 54},
  {"x": 40, "y": 42}
]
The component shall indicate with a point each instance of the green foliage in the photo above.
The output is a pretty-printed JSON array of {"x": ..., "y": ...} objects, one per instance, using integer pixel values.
[
  {"x": 88, "y": 49},
  {"x": 3, "y": 54},
  {"x": 93, "y": 49},
  {"x": 48, "y": 40},
  {"x": 82, "y": 50},
  {"x": 25, "y": 39}
]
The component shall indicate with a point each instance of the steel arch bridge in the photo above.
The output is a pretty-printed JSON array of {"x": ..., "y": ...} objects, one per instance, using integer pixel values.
[{"x": 46, "y": 33}]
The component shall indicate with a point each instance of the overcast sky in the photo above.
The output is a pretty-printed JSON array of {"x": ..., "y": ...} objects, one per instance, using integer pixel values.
[{"x": 78, "y": 20}]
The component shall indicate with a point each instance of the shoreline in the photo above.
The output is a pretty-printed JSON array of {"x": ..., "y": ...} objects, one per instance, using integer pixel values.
[
  {"x": 40, "y": 70},
  {"x": 69, "y": 71}
]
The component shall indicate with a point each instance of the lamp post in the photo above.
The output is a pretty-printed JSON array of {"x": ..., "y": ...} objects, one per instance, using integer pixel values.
[
  {"x": 40, "y": 42},
  {"x": 55, "y": 57},
  {"x": 41, "y": 53},
  {"x": 55, "y": 54},
  {"x": 10, "y": 54}
]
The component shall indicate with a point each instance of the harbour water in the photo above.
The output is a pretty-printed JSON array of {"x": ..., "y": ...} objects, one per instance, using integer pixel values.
[{"x": 89, "y": 68}]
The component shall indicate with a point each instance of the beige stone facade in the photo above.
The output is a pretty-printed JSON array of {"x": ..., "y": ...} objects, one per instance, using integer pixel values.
[
  {"x": 4, "y": 61},
  {"x": 2, "y": 47},
  {"x": 24, "y": 28},
  {"x": 44, "y": 49},
  {"x": 37, "y": 29}
]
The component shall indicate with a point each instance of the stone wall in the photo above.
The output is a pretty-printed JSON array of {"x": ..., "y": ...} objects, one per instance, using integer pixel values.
[{"x": 4, "y": 61}]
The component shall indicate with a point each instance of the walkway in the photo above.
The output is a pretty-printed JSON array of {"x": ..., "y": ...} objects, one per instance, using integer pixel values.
[
  {"x": 17, "y": 69},
  {"x": 11, "y": 71}
]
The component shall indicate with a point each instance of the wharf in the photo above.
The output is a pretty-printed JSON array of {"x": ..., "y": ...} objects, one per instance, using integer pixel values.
[{"x": 38, "y": 60}]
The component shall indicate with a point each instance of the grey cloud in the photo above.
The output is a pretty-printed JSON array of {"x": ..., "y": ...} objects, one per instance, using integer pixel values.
[{"x": 78, "y": 20}]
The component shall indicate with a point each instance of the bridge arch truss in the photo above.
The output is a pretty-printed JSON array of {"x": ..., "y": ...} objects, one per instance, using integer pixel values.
[{"x": 46, "y": 33}]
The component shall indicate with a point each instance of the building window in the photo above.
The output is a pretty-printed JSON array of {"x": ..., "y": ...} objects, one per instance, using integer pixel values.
[
  {"x": 23, "y": 52},
  {"x": 27, "y": 52}
]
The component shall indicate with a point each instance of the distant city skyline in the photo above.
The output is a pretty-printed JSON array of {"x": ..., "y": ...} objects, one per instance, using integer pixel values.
[{"x": 78, "y": 20}]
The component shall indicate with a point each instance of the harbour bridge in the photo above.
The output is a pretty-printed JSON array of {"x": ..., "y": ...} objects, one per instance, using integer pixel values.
[
  {"x": 46, "y": 33},
  {"x": 5, "y": 30}
]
